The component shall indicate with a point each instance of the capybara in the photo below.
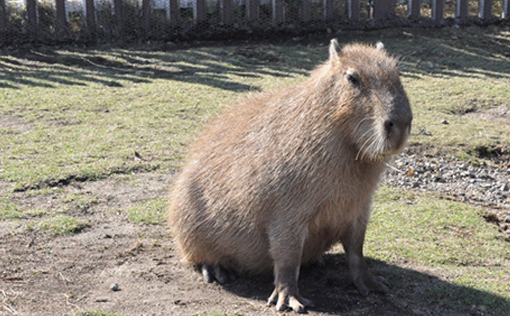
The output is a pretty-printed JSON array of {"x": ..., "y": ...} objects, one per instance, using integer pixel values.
[{"x": 275, "y": 181}]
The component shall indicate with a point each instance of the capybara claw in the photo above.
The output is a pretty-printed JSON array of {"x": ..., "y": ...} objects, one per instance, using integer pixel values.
[
  {"x": 216, "y": 272},
  {"x": 283, "y": 302}
]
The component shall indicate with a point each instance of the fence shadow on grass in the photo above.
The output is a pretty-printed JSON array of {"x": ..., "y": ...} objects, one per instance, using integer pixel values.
[
  {"x": 432, "y": 52},
  {"x": 412, "y": 293},
  {"x": 214, "y": 66}
]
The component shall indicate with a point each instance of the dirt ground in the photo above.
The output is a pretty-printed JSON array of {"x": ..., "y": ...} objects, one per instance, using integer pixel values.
[{"x": 77, "y": 274}]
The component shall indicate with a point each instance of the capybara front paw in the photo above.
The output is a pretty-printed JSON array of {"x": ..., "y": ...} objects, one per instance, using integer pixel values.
[
  {"x": 283, "y": 301},
  {"x": 371, "y": 283}
]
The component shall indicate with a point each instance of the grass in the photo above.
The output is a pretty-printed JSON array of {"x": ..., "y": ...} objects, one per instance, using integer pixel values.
[
  {"x": 68, "y": 114},
  {"x": 148, "y": 212},
  {"x": 445, "y": 236},
  {"x": 62, "y": 225}
]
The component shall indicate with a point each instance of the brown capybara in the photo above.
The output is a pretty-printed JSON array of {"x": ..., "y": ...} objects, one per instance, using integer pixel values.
[{"x": 274, "y": 182}]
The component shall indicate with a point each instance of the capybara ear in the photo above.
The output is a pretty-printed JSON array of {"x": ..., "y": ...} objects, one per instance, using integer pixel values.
[
  {"x": 334, "y": 50},
  {"x": 379, "y": 46}
]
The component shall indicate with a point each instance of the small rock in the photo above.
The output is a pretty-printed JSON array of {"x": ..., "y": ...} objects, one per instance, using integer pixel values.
[
  {"x": 425, "y": 133},
  {"x": 445, "y": 122},
  {"x": 504, "y": 187},
  {"x": 507, "y": 219},
  {"x": 114, "y": 287}
]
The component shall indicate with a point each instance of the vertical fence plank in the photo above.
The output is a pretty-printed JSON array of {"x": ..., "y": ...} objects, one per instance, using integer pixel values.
[
  {"x": 227, "y": 12},
  {"x": 383, "y": 9},
  {"x": 505, "y": 13},
  {"x": 485, "y": 9},
  {"x": 328, "y": 10},
  {"x": 438, "y": 10},
  {"x": 90, "y": 12},
  {"x": 305, "y": 13},
  {"x": 3, "y": 18},
  {"x": 61, "y": 14},
  {"x": 118, "y": 10},
  {"x": 278, "y": 12},
  {"x": 199, "y": 11},
  {"x": 31, "y": 6},
  {"x": 461, "y": 10},
  {"x": 353, "y": 10},
  {"x": 413, "y": 9},
  {"x": 175, "y": 15},
  {"x": 147, "y": 15},
  {"x": 252, "y": 10}
]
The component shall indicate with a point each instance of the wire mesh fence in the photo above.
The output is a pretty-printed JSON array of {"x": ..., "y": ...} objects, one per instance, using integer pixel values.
[{"x": 131, "y": 20}]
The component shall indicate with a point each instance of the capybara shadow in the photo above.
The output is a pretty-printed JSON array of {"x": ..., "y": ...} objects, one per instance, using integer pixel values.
[{"x": 329, "y": 285}]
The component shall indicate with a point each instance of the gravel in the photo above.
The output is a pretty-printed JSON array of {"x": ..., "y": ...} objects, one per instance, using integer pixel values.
[{"x": 484, "y": 185}]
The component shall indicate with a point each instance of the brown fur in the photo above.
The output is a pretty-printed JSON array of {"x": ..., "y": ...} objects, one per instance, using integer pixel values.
[{"x": 276, "y": 181}]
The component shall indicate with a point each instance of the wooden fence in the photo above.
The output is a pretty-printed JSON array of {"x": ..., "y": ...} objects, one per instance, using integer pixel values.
[{"x": 57, "y": 20}]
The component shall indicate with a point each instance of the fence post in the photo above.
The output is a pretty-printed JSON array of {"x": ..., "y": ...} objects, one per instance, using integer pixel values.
[
  {"x": 175, "y": 15},
  {"x": 146, "y": 15},
  {"x": 199, "y": 11},
  {"x": 304, "y": 12},
  {"x": 461, "y": 10},
  {"x": 32, "y": 16},
  {"x": 328, "y": 10},
  {"x": 252, "y": 10},
  {"x": 485, "y": 9},
  {"x": 438, "y": 10},
  {"x": 61, "y": 15},
  {"x": 3, "y": 20},
  {"x": 383, "y": 9},
  {"x": 278, "y": 12},
  {"x": 413, "y": 10},
  {"x": 353, "y": 8},
  {"x": 226, "y": 12},
  {"x": 505, "y": 9},
  {"x": 118, "y": 9},
  {"x": 90, "y": 12}
]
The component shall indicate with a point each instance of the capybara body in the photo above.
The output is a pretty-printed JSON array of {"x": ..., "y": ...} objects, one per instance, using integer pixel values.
[{"x": 274, "y": 182}]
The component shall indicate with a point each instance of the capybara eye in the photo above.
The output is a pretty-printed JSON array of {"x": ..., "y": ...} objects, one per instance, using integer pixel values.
[{"x": 353, "y": 77}]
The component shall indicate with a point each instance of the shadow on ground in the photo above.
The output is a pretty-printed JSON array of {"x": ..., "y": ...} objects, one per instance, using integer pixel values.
[
  {"x": 413, "y": 292},
  {"x": 212, "y": 66},
  {"x": 448, "y": 51}
]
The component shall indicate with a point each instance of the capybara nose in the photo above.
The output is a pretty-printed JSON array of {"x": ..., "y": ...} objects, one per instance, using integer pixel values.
[
  {"x": 389, "y": 126},
  {"x": 392, "y": 127}
]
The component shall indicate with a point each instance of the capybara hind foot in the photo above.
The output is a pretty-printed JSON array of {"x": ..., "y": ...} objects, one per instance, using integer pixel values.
[
  {"x": 368, "y": 282},
  {"x": 283, "y": 301},
  {"x": 216, "y": 272}
]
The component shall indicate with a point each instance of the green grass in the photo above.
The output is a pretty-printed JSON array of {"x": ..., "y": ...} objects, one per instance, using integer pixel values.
[
  {"x": 62, "y": 225},
  {"x": 430, "y": 229},
  {"x": 148, "y": 212},
  {"x": 9, "y": 210}
]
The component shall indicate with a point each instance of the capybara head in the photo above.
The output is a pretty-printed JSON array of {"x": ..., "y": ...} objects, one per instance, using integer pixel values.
[{"x": 374, "y": 108}]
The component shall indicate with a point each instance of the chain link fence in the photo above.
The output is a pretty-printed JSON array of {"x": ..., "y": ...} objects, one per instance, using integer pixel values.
[{"x": 57, "y": 21}]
